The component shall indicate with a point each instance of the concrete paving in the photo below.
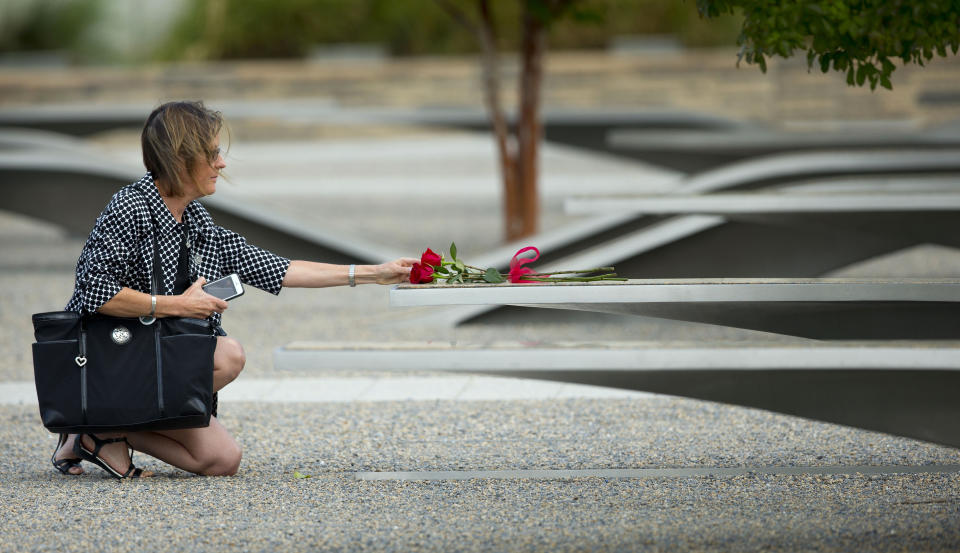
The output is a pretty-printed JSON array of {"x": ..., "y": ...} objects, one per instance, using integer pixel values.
[{"x": 304, "y": 483}]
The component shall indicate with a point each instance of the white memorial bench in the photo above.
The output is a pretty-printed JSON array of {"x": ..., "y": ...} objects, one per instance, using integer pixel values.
[
  {"x": 920, "y": 202},
  {"x": 823, "y": 309},
  {"x": 697, "y": 150},
  {"x": 576, "y": 127},
  {"x": 822, "y": 229},
  {"x": 70, "y": 186},
  {"x": 762, "y": 172},
  {"x": 803, "y": 230},
  {"x": 902, "y": 388}
]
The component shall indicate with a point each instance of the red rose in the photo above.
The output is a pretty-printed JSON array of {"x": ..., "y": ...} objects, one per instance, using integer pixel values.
[
  {"x": 431, "y": 258},
  {"x": 421, "y": 274}
]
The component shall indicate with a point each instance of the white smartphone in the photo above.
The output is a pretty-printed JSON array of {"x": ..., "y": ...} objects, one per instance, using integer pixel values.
[{"x": 225, "y": 288}]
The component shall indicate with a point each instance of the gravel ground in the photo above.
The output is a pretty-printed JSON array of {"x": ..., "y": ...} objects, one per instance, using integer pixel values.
[{"x": 266, "y": 507}]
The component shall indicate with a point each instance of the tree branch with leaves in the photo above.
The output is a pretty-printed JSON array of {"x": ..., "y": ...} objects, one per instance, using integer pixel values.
[{"x": 859, "y": 37}]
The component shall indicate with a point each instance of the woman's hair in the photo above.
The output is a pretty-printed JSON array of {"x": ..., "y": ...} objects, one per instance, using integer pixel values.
[{"x": 176, "y": 137}]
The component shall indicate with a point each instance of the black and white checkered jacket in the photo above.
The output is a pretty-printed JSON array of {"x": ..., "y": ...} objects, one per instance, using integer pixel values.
[{"x": 119, "y": 251}]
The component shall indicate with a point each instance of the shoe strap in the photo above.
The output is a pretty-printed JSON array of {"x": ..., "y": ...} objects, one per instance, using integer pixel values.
[{"x": 99, "y": 443}]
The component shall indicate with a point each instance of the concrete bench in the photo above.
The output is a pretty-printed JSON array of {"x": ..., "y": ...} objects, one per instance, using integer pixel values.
[
  {"x": 855, "y": 220},
  {"x": 780, "y": 232},
  {"x": 906, "y": 389},
  {"x": 765, "y": 171},
  {"x": 700, "y": 247},
  {"x": 696, "y": 150},
  {"x": 689, "y": 246},
  {"x": 844, "y": 204},
  {"x": 823, "y": 309},
  {"x": 581, "y": 128},
  {"x": 71, "y": 187}
]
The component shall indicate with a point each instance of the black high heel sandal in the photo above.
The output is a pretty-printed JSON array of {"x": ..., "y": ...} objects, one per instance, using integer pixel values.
[
  {"x": 94, "y": 456},
  {"x": 64, "y": 465}
]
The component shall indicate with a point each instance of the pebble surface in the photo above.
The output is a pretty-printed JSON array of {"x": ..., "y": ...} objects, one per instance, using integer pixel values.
[{"x": 266, "y": 507}]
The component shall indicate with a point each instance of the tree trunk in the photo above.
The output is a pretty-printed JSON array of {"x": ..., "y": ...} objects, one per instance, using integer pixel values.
[
  {"x": 517, "y": 150},
  {"x": 506, "y": 147},
  {"x": 524, "y": 221},
  {"x": 216, "y": 15}
]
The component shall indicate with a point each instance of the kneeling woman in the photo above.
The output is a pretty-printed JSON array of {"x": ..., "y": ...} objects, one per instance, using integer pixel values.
[{"x": 181, "y": 151}]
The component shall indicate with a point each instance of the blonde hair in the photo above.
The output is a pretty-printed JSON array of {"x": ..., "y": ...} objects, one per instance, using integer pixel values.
[{"x": 177, "y": 136}]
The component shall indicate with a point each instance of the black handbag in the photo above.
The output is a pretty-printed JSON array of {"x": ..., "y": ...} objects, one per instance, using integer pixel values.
[{"x": 97, "y": 373}]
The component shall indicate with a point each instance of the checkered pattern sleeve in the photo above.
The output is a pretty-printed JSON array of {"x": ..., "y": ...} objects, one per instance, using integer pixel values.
[
  {"x": 109, "y": 252},
  {"x": 255, "y": 266}
]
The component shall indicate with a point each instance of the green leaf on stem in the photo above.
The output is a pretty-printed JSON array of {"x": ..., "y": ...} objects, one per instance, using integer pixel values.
[
  {"x": 493, "y": 276},
  {"x": 453, "y": 251},
  {"x": 459, "y": 264}
]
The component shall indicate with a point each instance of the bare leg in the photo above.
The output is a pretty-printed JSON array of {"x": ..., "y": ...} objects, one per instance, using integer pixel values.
[
  {"x": 210, "y": 451},
  {"x": 228, "y": 361}
]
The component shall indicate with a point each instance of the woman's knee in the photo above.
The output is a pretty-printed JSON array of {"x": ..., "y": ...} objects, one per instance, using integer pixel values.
[
  {"x": 229, "y": 357},
  {"x": 225, "y": 463}
]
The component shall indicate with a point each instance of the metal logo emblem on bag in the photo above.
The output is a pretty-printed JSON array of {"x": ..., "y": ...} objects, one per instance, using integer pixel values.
[{"x": 121, "y": 335}]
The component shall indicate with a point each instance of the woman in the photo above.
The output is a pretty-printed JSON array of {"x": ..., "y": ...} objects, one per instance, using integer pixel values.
[{"x": 181, "y": 151}]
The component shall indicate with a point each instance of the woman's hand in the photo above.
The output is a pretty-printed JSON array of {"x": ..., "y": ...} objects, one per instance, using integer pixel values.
[
  {"x": 194, "y": 303},
  {"x": 395, "y": 272},
  {"x": 197, "y": 304}
]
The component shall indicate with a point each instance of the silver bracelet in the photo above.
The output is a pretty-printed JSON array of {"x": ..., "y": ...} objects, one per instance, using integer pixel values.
[
  {"x": 151, "y": 318},
  {"x": 351, "y": 275}
]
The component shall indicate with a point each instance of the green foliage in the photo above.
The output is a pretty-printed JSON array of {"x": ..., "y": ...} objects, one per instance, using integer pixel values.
[
  {"x": 858, "y": 37},
  {"x": 230, "y": 29},
  {"x": 591, "y": 23},
  {"x": 46, "y": 24},
  {"x": 493, "y": 276}
]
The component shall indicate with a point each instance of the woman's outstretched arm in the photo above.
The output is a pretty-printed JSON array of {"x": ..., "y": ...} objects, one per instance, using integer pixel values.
[{"x": 307, "y": 274}]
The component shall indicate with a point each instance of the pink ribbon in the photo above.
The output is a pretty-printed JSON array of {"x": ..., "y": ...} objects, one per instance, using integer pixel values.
[{"x": 517, "y": 269}]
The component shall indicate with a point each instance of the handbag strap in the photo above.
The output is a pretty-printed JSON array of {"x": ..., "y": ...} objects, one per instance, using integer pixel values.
[{"x": 155, "y": 278}]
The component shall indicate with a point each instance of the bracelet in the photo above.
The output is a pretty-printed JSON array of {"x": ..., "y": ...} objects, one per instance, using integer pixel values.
[
  {"x": 351, "y": 276},
  {"x": 151, "y": 318}
]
